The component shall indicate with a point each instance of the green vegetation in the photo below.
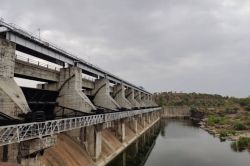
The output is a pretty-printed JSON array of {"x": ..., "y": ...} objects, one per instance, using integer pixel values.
[
  {"x": 241, "y": 144},
  {"x": 215, "y": 119},
  {"x": 245, "y": 103},
  {"x": 226, "y": 116},
  {"x": 189, "y": 99},
  {"x": 239, "y": 126},
  {"x": 226, "y": 133}
]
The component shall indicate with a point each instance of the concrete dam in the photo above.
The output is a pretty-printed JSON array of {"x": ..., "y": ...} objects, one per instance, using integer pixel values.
[{"x": 67, "y": 119}]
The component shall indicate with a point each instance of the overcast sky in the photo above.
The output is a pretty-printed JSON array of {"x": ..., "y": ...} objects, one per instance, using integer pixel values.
[{"x": 162, "y": 45}]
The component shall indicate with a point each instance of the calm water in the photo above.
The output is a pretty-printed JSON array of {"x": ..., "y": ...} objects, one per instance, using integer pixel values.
[{"x": 179, "y": 143}]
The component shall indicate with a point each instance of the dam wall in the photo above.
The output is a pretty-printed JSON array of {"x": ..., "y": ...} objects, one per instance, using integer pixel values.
[
  {"x": 69, "y": 151},
  {"x": 176, "y": 112}
]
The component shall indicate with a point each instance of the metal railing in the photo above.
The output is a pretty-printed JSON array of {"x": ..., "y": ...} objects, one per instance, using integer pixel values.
[
  {"x": 27, "y": 131},
  {"x": 37, "y": 62}
]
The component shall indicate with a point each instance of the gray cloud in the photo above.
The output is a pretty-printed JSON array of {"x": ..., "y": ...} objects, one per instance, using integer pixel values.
[{"x": 164, "y": 45}]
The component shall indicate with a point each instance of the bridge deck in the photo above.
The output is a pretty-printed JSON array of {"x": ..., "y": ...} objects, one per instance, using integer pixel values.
[{"x": 32, "y": 45}]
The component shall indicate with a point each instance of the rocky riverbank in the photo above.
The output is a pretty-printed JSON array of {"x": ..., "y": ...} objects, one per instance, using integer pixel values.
[{"x": 232, "y": 125}]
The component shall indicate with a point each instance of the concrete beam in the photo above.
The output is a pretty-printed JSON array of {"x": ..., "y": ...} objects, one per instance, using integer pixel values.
[
  {"x": 34, "y": 72},
  {"x": 119, "y": 96},
  {"x": 87, "y": 84},
  {"x": 70, "y": 90},
  {"x": 12, "y": 100},
  {"x": 102, "y": 96},
  {"x": 130, "y": 95}
]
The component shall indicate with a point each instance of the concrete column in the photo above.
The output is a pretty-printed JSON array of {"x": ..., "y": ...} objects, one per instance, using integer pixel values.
[
  {"x": 12, "y": 99},
  {"x": 147, "y": 118},
  {"x": 139, "y": 99},
  {"x": 94, "y": 141},
  {"x": 121, "y": 130},
  {"x": 119, "y": 96},
  {"x": 144, "y": 98},
  {"x": 142, "y": 121},
  {"x": 153, "y": 101},
  {"x": 70, "y": 90},
  {"x": 102, "y": 96},
  {"x": 133, "y": 125},
  {"x": 124, "y": 158},
  {"x": 130, "y": 95}
]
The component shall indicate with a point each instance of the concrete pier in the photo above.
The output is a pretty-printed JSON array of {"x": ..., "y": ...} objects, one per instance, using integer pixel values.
[
  {"x": 119, "y": 96},
  {"x": 12, "y": 99},
  {"x": 130, "y": 95},
  {"x": 138, "y": 98},
  {"x": 70, "y": 90},
  {"x": 102, "y": 95}
]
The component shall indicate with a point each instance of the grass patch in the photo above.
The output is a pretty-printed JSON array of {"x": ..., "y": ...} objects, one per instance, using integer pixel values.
[
  {"x": 241, "y": 144},
  {"x": 239, "y": 126},
  {"x": 226, "y": 133},
  {"x": 213, "y": 119}
]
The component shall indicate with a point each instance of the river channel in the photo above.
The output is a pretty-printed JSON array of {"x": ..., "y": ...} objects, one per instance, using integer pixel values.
[{"x": 180, "y": 143}]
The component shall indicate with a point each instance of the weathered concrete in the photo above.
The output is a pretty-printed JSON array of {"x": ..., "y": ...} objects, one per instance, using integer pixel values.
[
  {"x": 119, "y": 96},
  {"x": 138, "y": 98},
  {"x": 94, "y": 141},
  {"x": 134, "y": 124},
  {"x": 152, "y": 101},
  {"x": 32, "y": 71},
  {"x": 87, "y": 84},
  {"x": 146, "y": 100},
  {"x": 69, "y": 151},
  {"x": 70, "y": 90},
  {"x": 121, "y": 129},
  {"x": 102, "y": 96},
  {"x": 130, "y": 95},
  {"x": 12, "y": 100},
  {"x": 176, "y": 111}
]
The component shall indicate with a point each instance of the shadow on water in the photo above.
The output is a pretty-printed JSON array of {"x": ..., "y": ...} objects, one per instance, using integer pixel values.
[
  {"x": 180, "y": 142},
  {"x": 137, "y": 153}
]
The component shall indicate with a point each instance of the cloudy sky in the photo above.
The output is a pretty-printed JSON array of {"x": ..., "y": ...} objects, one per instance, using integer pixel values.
[{"x": 162, "y": 45}]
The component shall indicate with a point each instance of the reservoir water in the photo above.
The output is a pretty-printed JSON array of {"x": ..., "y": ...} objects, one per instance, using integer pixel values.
[{"x": 180, "y": 143}]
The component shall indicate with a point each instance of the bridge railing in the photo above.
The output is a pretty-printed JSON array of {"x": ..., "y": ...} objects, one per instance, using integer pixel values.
[
  {"x": 37, "y": 62},
  {"x": 27, "y": 131}
]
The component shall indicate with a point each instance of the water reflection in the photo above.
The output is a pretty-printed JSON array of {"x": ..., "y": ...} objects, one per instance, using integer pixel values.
[
  {"x": 137, "y": 153},
  {"x": 177, "y": 143}
]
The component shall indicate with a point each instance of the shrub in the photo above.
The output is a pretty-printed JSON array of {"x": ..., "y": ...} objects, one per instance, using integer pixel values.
[
  {"x": 212, "y": 119},
  {"x": 239, "y": 126},
  {"x": 226, "y": 133},
  {"x": 241, "y": 144},
  {"x": 244, "y": 142},
  {"x": 231, "y": 110},
  {"x": 247, "y": 108}
]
